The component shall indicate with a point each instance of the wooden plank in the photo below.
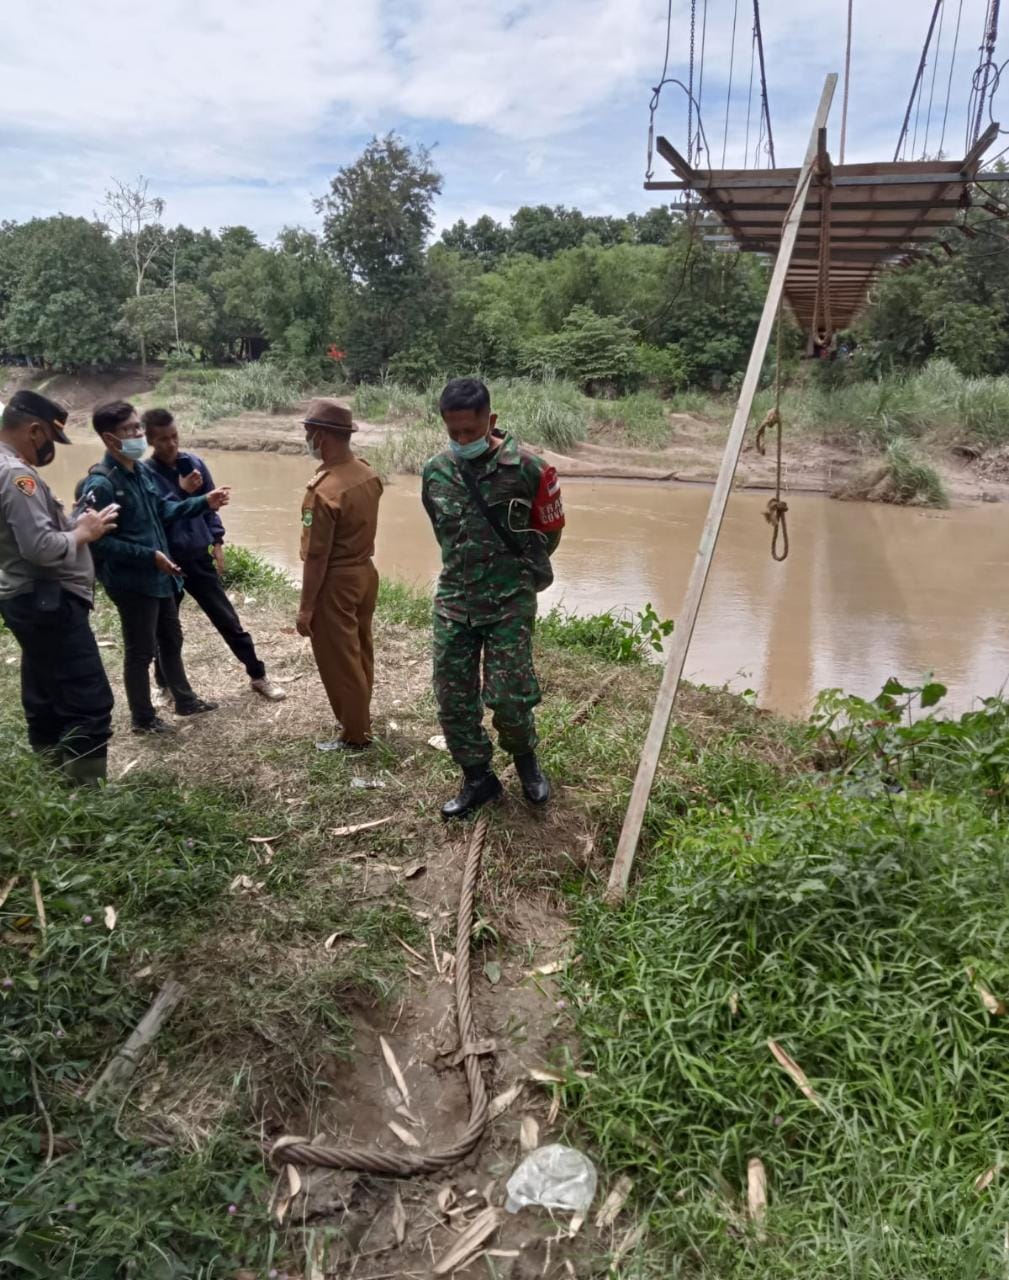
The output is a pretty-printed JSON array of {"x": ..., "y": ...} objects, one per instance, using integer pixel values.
[
  {"x": 975, "y": 155},
  {"x": 629, "y": 835},
  {"x": 122, "y": 1066}
]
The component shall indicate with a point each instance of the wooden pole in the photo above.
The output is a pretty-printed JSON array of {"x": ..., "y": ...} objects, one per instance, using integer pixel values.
[
  {"x": 115, "y": 1076},
  {"x": 622, "y": 863}
]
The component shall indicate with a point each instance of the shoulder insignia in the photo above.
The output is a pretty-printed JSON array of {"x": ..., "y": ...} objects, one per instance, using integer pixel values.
[
  {"x": 306, "y": 519},
  {"x": 26, "y": 484}
]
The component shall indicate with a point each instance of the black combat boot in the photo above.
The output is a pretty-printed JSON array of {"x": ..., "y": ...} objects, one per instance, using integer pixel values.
[
  {"x": 480, "y": 785},
  {"x": 535, "y": 783}
]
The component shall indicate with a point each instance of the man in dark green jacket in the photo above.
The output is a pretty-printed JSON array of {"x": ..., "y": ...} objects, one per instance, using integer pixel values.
[
  {"x": 485, "y": 605},
  {"x": 135, "y": 567}
]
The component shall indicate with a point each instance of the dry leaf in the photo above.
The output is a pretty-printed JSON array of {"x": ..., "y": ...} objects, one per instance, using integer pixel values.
[
  {"x": 630, "y": 1241},
  {"x": 398, "y": 1217},
  {"x": 145, "y": 972},
  {"x": 264, "y": 839},
  {"x": 406, "y": 947},
  {"x": 40, "y": 906},
  {"x": 503, "y": 1101},
  {"x": 393, "y": 1065},
  {"x": 293, "y": 1181},
  {"x": 281, "y": 1207},
  {"x": 983, "y": 1181},
  {"x": 545, "y": 1077},
  {"x": 610, "y": 1209},
  {"x": 473, "y": 1049},
  {"x": 404, "y": 1135},
  {"x": 794, "y": 1070},
  {"x": 361, "y": 826},
  {"x": 446, "y": 1198},
  {"x": 480, "y": 1229},
  {"x": 331, "y": 941},
  {"x": 241, "y": 882},
  {"x": 545, "y": 970},
  {"x": 127, "y": 769},
  {"x": 733, "y": 1002},
  {"x": 555, "y": 1109},
  {"x": 529, "y": 1134},
  {"x": 577, "y": 1222},
  {"x": 756, "y": 1190},
  {"x": 5, "y": 891},
  {"x": 993, "y": 1004},
  {"x": 110, "y": 918},
  {"x": 438, "y": 742},
  {"x": 408, "y": 1115},
  {"x": 413, "y": 869},
  {"x": 502, "y": 1253}
]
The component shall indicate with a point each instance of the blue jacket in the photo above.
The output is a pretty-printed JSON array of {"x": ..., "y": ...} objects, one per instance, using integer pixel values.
[
  {"x": 192, "y": 535},
  {"x": 125, "y": 559}
]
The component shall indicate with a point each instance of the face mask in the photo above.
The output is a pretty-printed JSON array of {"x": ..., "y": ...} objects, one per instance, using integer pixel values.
[
  {"x": 44, "y": 453},
  {"x": 475, "y": 449},
  {"x": 313, "y": 450},
  {"x": 134, "y": 447}
]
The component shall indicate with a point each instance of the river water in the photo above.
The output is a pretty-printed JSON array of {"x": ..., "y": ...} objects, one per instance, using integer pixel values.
[{"x": 868, "y": 591}]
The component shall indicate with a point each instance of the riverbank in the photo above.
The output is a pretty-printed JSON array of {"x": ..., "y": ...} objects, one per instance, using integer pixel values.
[
  {"x": 931, "y": 439},
  {"x": 238, "y": 859}
]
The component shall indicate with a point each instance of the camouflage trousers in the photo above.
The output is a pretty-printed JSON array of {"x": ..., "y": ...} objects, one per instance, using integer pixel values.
[{"x": 509, "y": 687}]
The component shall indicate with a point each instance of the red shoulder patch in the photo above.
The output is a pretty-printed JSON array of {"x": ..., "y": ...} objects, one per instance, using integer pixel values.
[
  {"x": 548, "y": 509},
  {"x": 26, "y": 484}
]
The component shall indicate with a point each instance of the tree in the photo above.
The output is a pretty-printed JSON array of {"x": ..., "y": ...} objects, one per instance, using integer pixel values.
[
  {"x": 65, "y": 290},
  {"x": 486, "y": 240},
  {"x": 164, "y": 318},
  {"x": 138, "y": 218},
  {"x": 377, "y": 219}
]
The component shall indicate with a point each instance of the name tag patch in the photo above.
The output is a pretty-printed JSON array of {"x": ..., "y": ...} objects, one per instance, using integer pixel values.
[{"x": 306, "y": 519}]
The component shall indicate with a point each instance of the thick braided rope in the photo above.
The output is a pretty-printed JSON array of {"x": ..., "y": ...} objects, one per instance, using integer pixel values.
[{"x": 372, "y": 1161}]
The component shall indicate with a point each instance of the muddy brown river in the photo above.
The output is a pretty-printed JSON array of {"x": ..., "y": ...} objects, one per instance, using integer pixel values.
[{"x": 868, "y": 591}]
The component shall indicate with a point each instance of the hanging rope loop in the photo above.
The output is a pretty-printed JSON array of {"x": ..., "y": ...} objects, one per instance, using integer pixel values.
[{"x": 776, "y": 511}]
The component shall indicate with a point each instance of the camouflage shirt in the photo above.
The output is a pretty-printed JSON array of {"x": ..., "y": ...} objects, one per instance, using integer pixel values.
[{"x": 481, "y": 581}]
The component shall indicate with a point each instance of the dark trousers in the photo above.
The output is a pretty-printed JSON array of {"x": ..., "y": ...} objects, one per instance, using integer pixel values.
[
  {"x": 151, "y": 625},
  {"x": 203, "y": 583},
  {"x": 65, "y": 692}
]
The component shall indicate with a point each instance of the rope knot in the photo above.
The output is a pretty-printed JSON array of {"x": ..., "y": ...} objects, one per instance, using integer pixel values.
[
  {"x": 772, "y": 419},
  {"x": 775, "y": 515}
]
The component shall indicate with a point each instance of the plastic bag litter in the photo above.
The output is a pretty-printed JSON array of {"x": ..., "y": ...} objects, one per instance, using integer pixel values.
[{"x": 554, "y": 1177}]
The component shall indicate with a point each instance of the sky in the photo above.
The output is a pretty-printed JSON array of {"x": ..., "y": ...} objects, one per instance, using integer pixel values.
[{"x": 240, "y": 113}]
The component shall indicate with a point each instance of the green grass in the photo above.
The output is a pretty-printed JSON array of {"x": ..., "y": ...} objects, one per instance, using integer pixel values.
[
  {"x": 838, "y": 916},
  {"x": 638, "y": 420},
  {"x": 249, "y": 573},
  {"x": 209, "y": 394},
  {"x": 913, "y": 481}
]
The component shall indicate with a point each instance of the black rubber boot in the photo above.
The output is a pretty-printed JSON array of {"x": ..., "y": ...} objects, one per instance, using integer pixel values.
[
  {"x": 480, "y": 785},
  {"x": 85, "y": 771},
  {"x": 535, "y": 783}
]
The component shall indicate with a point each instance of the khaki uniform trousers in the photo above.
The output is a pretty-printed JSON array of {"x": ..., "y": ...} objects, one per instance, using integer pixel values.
[{"x": 342, "y": 644}]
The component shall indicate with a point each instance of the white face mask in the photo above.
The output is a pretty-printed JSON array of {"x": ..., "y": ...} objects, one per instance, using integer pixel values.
[
  {"x": 312, "y": 449},
  {"x": 134, "y": 447}
]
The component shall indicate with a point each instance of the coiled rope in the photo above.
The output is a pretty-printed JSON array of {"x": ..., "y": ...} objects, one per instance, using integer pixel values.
[
  {"x": 369, "y": 1160},
  {"x": 776, "y": 512}
]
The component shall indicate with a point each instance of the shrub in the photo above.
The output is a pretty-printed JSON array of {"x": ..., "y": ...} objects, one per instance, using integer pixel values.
[
  {"x": 641, "y": 415},
  {"x": 599, "y": 353},
  {"x": 248, "y": 572},
  {"x": 912, "y": 481},
  {"x": 257, "y": 387}
]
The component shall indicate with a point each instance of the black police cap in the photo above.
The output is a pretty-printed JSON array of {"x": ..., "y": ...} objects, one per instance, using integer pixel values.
[{"x": 44, "y": 409}]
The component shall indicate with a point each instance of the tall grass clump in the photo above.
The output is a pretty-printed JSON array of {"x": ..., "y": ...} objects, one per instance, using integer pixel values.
[
  {"x": 389, "y": 401},
  {"x": 405, "y": 449},
  {"x": 257, "y": 387},
  {"x": 911, "y": 481},
  {"x": 856, "y": 924},
  {"x": 640, "y": 418},
  {"x": 550, "y": 412},
  {"x": 250, "y": 573}
]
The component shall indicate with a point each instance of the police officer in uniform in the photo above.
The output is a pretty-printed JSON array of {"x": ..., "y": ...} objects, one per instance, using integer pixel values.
[
  {"x": 47, "y": 591},
  {"x": 339, "y": 516}
]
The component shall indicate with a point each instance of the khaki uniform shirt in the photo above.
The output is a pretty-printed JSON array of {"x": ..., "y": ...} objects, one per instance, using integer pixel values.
[
  {"x": 339, "y": 514},
  {"x": 35, "y": 534}
]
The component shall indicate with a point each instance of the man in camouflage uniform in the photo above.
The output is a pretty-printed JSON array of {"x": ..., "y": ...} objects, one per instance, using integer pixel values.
[{"x": 485, "y": 605}]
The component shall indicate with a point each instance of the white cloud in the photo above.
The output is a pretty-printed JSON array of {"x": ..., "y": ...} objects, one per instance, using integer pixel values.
[{"x": 239, "y": 111}]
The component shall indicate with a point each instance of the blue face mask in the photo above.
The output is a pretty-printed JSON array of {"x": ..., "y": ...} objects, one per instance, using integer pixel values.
[
  {"x": 134, "y": 447},
  {"x": 475, "y": 449}
]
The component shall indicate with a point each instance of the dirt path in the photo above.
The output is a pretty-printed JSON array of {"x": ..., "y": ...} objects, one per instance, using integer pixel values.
[{"x": 523, "y": 928}]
